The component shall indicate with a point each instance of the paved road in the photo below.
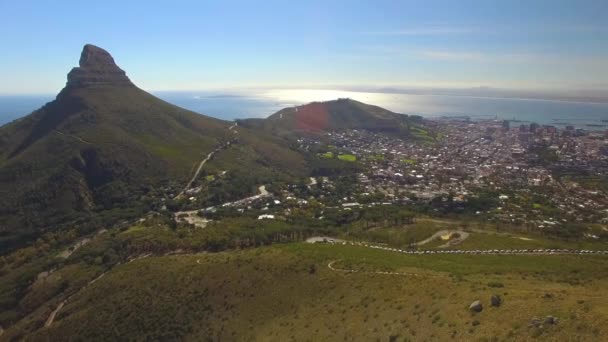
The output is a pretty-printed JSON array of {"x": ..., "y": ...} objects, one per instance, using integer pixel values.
[
  {"x": 261, "y": 189},
  {"x": 70, "y": 250},
  {"x": 202, "y": 163},
  {"x": 198, "y": 171}
]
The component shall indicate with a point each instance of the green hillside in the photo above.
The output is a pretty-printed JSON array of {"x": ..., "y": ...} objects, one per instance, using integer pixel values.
[
  {"x": 103, "y": 145},
  {"x": 333, "y": 115},
  {"x": 288, "y": 292}
]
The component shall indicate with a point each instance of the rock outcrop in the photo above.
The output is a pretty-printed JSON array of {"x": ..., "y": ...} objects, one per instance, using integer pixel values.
[{"x": 97, "y": 69}]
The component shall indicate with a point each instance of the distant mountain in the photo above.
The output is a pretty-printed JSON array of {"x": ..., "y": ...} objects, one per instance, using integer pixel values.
[
  {"x": 317, "y": 117},
  {"x": 595, "y": 95},
  {"x": 102, "y": 145}
]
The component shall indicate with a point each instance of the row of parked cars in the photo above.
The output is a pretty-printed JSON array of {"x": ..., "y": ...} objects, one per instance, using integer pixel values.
[{"x": 485, "y": 251}]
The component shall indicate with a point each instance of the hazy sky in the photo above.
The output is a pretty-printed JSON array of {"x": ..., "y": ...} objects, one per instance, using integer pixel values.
[{"x": 179, "y": 45}]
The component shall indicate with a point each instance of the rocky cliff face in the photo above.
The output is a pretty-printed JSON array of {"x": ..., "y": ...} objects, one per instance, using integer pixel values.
[{"x": 97, "y": 69}]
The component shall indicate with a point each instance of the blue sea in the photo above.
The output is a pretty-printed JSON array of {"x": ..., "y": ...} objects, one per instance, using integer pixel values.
[{"x": 230, "y": 105}]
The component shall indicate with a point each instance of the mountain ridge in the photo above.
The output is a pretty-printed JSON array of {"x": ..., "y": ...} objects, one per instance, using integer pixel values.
[{"x": 104, "y": 144}]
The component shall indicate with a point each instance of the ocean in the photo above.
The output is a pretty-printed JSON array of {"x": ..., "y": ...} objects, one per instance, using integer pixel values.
[{"x": 230, "y": 105}]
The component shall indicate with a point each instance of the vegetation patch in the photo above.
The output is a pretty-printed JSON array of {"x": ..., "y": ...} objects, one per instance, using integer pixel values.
[{"x": 347, "y": 157}]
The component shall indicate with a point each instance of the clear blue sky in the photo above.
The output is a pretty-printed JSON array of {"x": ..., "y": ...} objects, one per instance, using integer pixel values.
[{"x": 178, "y": 45}]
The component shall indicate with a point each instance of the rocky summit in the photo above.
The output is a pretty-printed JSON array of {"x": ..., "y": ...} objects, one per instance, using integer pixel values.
[{"x": 97, "y": 69}]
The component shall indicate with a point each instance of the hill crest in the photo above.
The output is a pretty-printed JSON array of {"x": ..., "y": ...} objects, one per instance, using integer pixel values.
[
  {"x": 316, "y": 117},
  {"x": 97, "y": 69}
]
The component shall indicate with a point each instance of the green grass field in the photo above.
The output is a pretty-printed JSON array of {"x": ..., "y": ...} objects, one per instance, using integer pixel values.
[
  {"x": 288, "y": 292},
  {"x": 347, "y": 157},
  {"x": 327, "y": 155}
]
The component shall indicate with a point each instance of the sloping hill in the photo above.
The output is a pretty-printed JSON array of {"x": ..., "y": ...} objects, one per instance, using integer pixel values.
[
  {"x": 102, "y": 145},
  {"x": 338, "y": 114},
  {"x": 324, "y": 292}
]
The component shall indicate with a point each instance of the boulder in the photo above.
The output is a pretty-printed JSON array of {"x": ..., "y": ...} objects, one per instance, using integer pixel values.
[
  {"x": 536, "y": 322},
  {"x": 550, "y": 320},
  {"x": 495, "y": 300},
  {"x": 476, "y": 306}
]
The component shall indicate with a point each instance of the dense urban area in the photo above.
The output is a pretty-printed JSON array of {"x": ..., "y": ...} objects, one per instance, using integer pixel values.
[{"x": 533, "y": 177}]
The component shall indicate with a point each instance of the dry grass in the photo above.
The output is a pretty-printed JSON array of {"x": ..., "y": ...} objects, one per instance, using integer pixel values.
[{"x": 276, "y": 294}]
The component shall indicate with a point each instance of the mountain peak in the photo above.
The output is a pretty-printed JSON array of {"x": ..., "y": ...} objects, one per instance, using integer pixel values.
[{"x": 97, "y": 69}]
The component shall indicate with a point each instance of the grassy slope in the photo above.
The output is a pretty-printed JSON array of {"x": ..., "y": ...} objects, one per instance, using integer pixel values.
[
  {"x": 333, "y": 115},
  {"x": 130, "y": 131},
  {"x": 104, "y": 145},
  {"x": 269, "y": 293},
  {"x": 480, "y": 237}
]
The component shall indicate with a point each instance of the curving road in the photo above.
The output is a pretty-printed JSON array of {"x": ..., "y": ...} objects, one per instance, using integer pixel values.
[
  {"x": 202, "y": 163},
  {"x": 198, "y": 171}
]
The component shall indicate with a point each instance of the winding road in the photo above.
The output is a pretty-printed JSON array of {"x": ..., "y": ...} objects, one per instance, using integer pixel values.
[
  {"x": 198, "y": 171},
  {"x": 203, "y": 162}
]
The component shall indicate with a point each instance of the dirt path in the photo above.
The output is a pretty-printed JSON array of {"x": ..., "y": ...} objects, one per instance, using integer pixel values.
[
  {"x": 75, "y": 137},
  {"x": 424, "y": 219},
  {"x": 463, "y": 236},
  {"x": 51, "y": 318},
  {"x": 70, "y": 250},
  {"x": 331, "y": 267}
]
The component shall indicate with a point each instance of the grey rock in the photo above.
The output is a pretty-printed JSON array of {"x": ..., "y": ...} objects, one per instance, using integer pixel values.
[
  {"x": 536, "y": 322},
  {"x": 495, "y": 300},
  {"x": 476, "y": 306},
  {"x": 550, "y": 320},
  {"x": 97, "y": 69}
]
